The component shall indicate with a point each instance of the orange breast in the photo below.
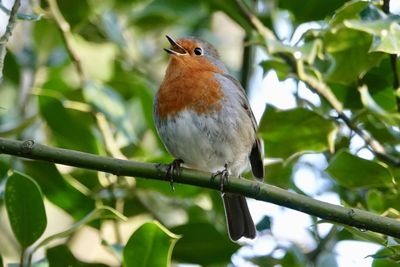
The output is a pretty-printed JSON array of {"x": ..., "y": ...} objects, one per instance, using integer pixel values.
[{"x": 188, "y": 88}]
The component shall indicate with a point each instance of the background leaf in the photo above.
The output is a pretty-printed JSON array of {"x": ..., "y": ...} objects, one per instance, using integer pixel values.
[
  {"x": 25, "y": 208},
  {"x": 354, "y": 172},
  {"x": 287, "y": 132},
  {"x": 211, "y": 246},
  {"x": 150, "y": 245}
]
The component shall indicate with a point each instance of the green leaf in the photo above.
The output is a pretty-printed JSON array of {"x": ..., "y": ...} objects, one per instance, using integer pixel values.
[
  {"x": 4, "y": 167},
  {"x": 99, "y": 213},
  {"x": 354, "y": 172},
  {"x": 150, "y": 245},
  {"x": 379, "y": 81},
  {"x": 382, "y": 201},
  {"x": 25, "y": 208},
  {"x": 97, "y": 59},
  {"x": 375, "y": 201},
  {"x": 349, "y": 50},
  {"x": 159, "y": 13},
  {"x": 61, "y": 256},
  {"x": 386, "y": 33},
  {"x": 350, "y": 10},
  {"x": 57, "y": 190},
  {"x": 307, "y": 52},
  {"x": 112, "y": 105},
  {"x": 314, "y": 10},
  {"x": 11, "y": 69},
  {"x": 211, "y": 246},
  {"x": 69, "y": 127},
  {"x": 281, "y": 68},
  {"x": 279, "y": 174},
  {"x": 292, "y": 131},
  {"x": 231, "y": 9},
  {"x": 369, "y": 236},
  {"x": 72, "y": 13},
  {"x": 385, "y": 257}
]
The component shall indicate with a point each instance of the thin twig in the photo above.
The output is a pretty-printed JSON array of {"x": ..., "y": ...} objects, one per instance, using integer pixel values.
[
  {"x": 247, "y": 63},
  {"x": 255, "y": 21},
  {"x": 350, "y": 216},
  {"x": 393, "y": 59},
  {"x": 325, "y": 92},
  {"x": 7, "y": 34},
  {"x": 67, "y": 37},
  {"x": 322, "y": 245},
  {"x": 396, "y": 82}
]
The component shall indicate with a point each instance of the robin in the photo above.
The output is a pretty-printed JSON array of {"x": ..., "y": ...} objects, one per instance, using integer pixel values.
[{"x": 205, "y": 121}]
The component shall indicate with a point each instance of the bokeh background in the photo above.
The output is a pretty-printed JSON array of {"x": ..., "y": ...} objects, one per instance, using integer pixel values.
[{"x": 82, "y": 75}]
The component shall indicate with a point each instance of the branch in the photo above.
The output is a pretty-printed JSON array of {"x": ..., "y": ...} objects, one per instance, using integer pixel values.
[
  {"x": 264, "y": 192},
  {"x": 67, "y": 36},
  {"x": 7, "y": 34}
]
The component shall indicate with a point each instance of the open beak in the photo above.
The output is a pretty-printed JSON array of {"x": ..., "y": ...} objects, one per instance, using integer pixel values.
[{"x": 175, "y": 49}]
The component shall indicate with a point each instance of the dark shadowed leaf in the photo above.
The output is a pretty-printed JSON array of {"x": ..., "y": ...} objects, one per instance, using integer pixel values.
[
  {"x": 354, "y": 172},
  {"x": 69, "y": 128},
  {"x": 25, "y": 208},
  {"x": 159, "y": 13},
  {"x": 72, "y": 14},
  {"x": 61, "y": 256},
  {"x": 150, "y": 245},
  {"x": 58, "y": 190},
  {"x": 264, "y": 224},
  {"x": 314, "y": 10},
  {"x": 211, "y": 247},
  {"x": 292, "y": 131}
]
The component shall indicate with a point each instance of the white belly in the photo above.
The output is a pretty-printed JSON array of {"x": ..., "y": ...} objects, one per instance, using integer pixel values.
[{"x": 207, "y": 142}]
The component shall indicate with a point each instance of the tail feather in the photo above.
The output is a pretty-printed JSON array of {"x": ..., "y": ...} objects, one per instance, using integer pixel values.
[{"x": 240, "y": 223}]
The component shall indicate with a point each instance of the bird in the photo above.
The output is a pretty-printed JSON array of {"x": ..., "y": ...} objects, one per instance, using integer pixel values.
[{"x": 204, "y": 119}]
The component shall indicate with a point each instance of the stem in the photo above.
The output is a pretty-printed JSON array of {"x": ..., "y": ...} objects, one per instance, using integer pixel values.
[
  {"x": 393, "y": 58},
  {"x": 264, "y": 192},
  {"x": 396, "y": 83},
  {"x": 67, "y": 36},
  {"x": 255, "y": 21},
  {"x": 247, "y": 63},
  {"x": 7, "y": 34}
]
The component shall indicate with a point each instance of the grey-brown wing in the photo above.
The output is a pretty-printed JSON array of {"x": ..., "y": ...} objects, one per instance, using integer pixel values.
[{"x": 256, "y": 156}]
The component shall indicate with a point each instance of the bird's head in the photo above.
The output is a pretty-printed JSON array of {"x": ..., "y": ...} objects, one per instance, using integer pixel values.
[{"x": 194, "y": 54}]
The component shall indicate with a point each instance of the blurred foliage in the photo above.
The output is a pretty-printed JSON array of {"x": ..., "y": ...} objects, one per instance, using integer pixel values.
[{"x": 106, "y": 109}]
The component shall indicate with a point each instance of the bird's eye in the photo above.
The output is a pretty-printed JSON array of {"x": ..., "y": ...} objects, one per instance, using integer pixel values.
[{"x": 198, "y": 51}]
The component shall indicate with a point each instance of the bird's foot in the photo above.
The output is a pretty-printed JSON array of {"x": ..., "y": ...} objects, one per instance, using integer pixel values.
[
  {"x": 223, "y": 174},
  {"x": 174, "y": 168}
]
